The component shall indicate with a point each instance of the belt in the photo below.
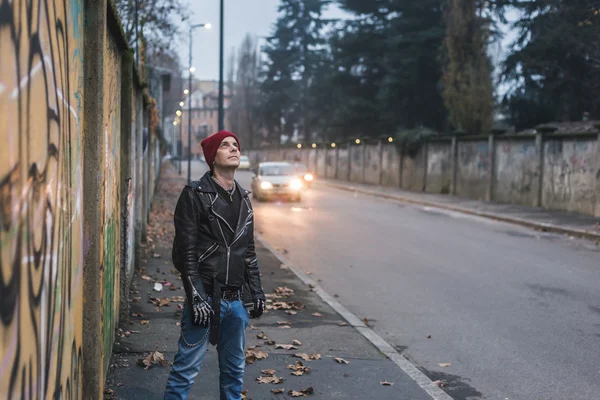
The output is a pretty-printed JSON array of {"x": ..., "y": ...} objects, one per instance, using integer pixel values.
[{"x": 231, "y": 294}]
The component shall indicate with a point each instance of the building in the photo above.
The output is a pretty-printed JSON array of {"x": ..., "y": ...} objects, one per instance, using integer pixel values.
[{"x": 205, "y": 114}]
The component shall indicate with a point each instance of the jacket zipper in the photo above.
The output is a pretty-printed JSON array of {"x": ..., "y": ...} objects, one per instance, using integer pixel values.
[
  {"x": 208, "y": 252},
  {"x": 228, "y": 253}
]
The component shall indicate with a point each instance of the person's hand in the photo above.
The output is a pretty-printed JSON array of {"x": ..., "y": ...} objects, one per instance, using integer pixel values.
[
  {"x": 202, "y": 311},
  {"x": 259, "y": 308}
]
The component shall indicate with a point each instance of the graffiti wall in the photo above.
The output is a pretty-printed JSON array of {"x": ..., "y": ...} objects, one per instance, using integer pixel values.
[
  {"x": 516, "y": 176},
  {"x": 111, "y": 189},
  {"x": 41, "y": 229},
  {"x": 571, "y": 175}
]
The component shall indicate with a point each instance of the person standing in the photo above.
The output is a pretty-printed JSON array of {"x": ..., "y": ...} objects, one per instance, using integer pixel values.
[{"x": 214, "y": 251}]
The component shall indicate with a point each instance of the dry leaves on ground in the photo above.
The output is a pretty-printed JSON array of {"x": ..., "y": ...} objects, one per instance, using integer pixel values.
[
  {"x": 296, "y": 343},
  {"x": 316, "y": 314},
  {"x": 283, "y": 266},
  {"x": 147, "y": 278},
  {"x": 440, "y": 383},
  {"x": 284, "y": 327},
  {"x": 308, "y": 357},
  {"x": 284, "y": 291},
  {"x": 253, "y": 355},
  {"x": 444, "y": 365},
  {"x": 285, "y": 305},
  {"x": 366, "y": 321},
  {"x": 277, "y": 391},
  {"x": 268, "y": 372},
  {"x": 286, "y": 346},
  {"x": 302, "y": 393},
  {"x": 341, "y": 361},
  {"x": 283, "y": 322},
  {"x": 262, "y": 336},
  {"x": 343, "y": 324},
  {"x": 270, "y": 342},
  {"x": 178, "y": 299},
  {"x": 155, "y": 255},
  {"x": 386, "y": 383},
  {"x": 154, "y": 357},
  {"x": 299, "y": 368},
  {"x": 145, "y": 322},
  {"x": 269, "y": 379},
  {"x": 139, "y": 314},
  {"x": 291, "y": 312}
]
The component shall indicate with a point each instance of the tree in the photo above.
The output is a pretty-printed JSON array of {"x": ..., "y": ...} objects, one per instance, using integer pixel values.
[
  {"x": 157, "y": 21},
  {"x": 468, "y": 91},
  {"x": 554, "y": 64},
  {"x": 293, "y": 53}
]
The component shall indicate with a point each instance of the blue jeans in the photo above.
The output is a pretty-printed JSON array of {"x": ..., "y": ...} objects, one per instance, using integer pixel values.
[{"x": 193, "y": 344}]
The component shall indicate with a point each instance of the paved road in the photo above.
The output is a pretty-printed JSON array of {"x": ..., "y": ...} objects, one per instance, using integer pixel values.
[{"x": 515, "y": 312}]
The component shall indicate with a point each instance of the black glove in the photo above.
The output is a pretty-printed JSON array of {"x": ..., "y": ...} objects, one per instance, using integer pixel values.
[
  {"x": 259, "y": 308},
  {"x": 201, "y": 312}
]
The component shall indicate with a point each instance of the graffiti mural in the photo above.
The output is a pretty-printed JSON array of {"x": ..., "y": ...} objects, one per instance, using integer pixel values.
[
  {"x": 41, "y": 231},
  {"x": 110, "y": 241}
]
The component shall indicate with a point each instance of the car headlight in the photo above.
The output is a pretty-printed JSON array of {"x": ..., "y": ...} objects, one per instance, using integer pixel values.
[
  {"x": 308, "y": 177},
  {"x": 266, "y": 185},
  {"x": 296, "y": 184}
]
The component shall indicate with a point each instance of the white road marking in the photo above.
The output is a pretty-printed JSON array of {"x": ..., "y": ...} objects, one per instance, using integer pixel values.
[{"x": 405, "y": 365}]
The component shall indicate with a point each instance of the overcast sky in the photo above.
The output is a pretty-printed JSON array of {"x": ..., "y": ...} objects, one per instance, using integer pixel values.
[{"x": 241, "y": 16}]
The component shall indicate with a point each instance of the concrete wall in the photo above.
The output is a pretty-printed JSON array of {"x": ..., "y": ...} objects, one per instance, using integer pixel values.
[
  {"x": 72, "y": 194},
  {"x": 473, "y": 169},
  {"x": 372, "y": 163},
  {"x": 517, "y": 170},
  {"x": 571, "y": 175},
  {"x": 41, "y": 225},
  {"x": 439, "y": 167},
  {"x": 508, "y": 169}
]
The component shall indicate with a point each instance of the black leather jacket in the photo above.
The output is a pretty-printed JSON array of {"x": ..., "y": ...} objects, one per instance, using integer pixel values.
[{"x": 201, "y": 251}]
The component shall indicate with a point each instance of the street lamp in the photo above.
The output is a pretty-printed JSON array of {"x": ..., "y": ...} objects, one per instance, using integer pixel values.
[
  {"x": 299, "y": 145},
  {"x": 189, "y": 90},
  {"x": 178, "y": 112},
  {"x": 357, "y": 141},
  {"x": 185, "y": 92},
  {"x": 314, "y": 145},
  {"x": 390, "y": 139},
  {"x": 175, "y": 123},
  {"x": 181, "y": 103},
  {"x": 332, "y": 144}
]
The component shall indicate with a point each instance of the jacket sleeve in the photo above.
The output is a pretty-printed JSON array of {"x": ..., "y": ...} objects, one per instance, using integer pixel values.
[
  {"x": 185, "y": 244},
  {"x": 252, "y": 272}
]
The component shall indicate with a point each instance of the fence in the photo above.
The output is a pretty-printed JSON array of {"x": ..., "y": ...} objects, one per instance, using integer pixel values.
[
  {"x": 76, "y": 167},
  {"x": 544, "y": 170}
]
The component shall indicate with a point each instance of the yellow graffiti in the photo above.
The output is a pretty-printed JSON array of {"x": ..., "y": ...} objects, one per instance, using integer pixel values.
[{"x": 41, "y": 232}]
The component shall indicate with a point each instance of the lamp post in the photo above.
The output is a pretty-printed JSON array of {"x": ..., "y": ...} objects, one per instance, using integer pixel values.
[{"x": 191, "y": 71}]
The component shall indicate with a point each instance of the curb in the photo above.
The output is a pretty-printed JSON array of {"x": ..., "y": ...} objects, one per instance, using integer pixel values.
[
  {"x": 580, "y": 233},
  {"x": 384, "y": 347}
]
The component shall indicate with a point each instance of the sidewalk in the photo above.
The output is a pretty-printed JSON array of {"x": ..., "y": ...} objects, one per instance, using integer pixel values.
[
  {"x": 319, "y": 329},
  {"x": 574, "y": 224}
]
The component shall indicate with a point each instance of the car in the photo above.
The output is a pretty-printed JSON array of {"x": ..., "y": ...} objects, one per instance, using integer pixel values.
[
  {"x": 244, "y": 162},
  {"x": 304, "y": 174},
  {"x": 276, "y": 179}
]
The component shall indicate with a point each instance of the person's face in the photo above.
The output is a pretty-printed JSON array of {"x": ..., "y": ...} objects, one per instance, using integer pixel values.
[{"x": 228, "y": 154}]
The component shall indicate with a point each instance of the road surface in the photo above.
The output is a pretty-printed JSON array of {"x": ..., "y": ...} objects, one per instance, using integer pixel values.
[{"x": 515, "y": 312}]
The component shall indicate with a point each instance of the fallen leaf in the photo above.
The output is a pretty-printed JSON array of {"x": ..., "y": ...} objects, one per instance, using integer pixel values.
[
  {"x": 253, "y": 328},
  {"x": 139, "y": 314},
  {"x": 147, "y": 278},
  {"x": 366, "y": 321},
  {"x": 308, "y": 357},
  {"x": 444, "y": 365},
  {"x": 178, "y": 299},
  {"x": 145, "y": 322},
  {"x": 312, "y": 285},
  {"x": 262, "y": 336},
  {"x": 284, "y": 327},
  {"x": 172, "y": 287},
  {"x": 293, "y": 393},
  {"x": 343, "y": 324},
  {"x": 180, "y": 306},
  {"x": 302, "y": 393},
  {"x": 283, "y": 322},
  {"x": 291, "y": 312},
  {"x": 283, "y": 266},
  {"x": 270, "y": 342},
  {"x": 254, "y": 355},
  {"x": 386, "y": 383},
  {"x": 284, "y": 291},
  {"x": 155, "y": 255},
  {"x": 163, "y": 302},
  {"x": 341, "y": 361},
  {"x": 277, "y": 391},
  {"x": 296, "y": 343},
  {"x": 268, "y": 372},
  {"x": 316, "y": 314},
  {"x": 178, "y": 323},
  {"x": 440, "y": 383},
  {"x": 286, "y": 347},
  {"x": 269, "y": 379},
  {"x": 158, "y": 287},
  {"x": 154, "y": 357},
  {"x": 346, "y": 375}
]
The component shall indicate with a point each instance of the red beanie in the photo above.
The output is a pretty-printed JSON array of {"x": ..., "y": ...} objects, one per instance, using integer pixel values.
[{"x": 211, "y": 144}]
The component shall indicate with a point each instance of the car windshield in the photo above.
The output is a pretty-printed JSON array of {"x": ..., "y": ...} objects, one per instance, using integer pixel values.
[
  {"x": 277, "y": 170},
  {"x": 300, "y": 168}
]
